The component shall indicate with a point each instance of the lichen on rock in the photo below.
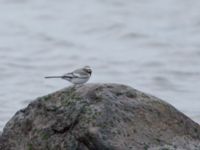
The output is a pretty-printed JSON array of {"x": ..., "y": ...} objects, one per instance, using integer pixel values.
[{"x": 100, "y": 117}]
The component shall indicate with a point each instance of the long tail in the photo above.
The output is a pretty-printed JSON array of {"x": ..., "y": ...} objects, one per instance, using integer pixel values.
[{"x": 48, "y": 77}]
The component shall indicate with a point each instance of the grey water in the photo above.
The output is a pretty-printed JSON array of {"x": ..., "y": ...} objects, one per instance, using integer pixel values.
[{"x": 153, "y": 46}]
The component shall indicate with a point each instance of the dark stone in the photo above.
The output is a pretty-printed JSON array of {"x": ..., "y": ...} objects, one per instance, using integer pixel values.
[{"x": 100, "y": 117}]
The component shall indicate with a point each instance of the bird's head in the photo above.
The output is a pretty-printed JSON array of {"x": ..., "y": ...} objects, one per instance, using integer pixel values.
[{"x": 88, "y": 69}]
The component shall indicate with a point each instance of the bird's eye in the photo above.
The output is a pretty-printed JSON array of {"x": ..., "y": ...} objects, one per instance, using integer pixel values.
[{"x": 89, "y": 71}]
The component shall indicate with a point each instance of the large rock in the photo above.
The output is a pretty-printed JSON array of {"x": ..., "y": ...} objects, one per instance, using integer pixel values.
[{"x": 100, "y": 117}]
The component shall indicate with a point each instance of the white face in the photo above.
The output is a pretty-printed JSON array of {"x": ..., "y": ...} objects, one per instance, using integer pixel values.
[{"x": 88, "y": 69}]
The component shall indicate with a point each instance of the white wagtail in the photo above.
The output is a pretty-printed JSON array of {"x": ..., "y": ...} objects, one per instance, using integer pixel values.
[{"x": 77, "y": 77}]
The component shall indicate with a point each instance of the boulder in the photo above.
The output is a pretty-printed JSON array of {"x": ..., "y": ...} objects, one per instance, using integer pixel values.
[{"x": 100, "y": 117}]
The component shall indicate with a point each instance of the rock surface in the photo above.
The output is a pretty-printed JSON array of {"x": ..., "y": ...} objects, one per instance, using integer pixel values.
[{"x": 100, "y": 117}]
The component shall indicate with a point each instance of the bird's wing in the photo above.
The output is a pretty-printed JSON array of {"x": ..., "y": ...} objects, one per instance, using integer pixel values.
[
  {"x": 80, "y": 73},
  {"x": 76, "y": 75},
  {"x": 68, "y": 75}
]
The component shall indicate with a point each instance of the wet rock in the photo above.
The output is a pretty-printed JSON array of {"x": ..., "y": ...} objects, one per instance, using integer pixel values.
[{"x": 100, "y": 117}]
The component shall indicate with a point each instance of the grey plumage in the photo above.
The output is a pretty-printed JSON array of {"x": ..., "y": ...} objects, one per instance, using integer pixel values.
[{"x": 78, "y": 76}]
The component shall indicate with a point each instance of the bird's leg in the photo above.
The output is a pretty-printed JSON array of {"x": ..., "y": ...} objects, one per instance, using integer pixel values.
[{"x": 77, "y": 85}]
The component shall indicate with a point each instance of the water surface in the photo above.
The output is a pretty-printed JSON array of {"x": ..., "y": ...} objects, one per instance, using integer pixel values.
[{"x": 152, "y": 46}]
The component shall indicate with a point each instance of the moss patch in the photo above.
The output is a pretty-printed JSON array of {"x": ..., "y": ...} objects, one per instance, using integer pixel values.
[{"x": 30, "y": 147}]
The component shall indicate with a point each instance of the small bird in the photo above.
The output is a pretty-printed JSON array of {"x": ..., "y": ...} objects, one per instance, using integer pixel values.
[{"x": 77, "y": 77}]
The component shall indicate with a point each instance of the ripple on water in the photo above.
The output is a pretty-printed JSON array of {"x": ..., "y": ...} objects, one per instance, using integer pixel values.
[{"x": 129, "y": 42}]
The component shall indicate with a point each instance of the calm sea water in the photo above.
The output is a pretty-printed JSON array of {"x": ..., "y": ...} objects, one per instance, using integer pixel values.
[{"x": 153, "y": 46}]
